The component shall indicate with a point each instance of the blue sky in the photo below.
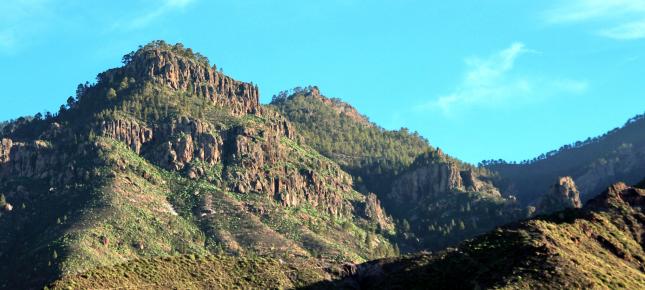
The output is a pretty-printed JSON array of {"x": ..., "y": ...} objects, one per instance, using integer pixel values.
[{"x": 480, "y": 79}]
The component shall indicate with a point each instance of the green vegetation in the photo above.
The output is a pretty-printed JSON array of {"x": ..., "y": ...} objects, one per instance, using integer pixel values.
[
  {"x": 373, "y": 155},
  {"x": 599, "y": 246},
  {"x": 135, "y": 183},
  {"x": 198, "y": 272},
  {"x": 105, "y": 201},
  {"x": 443, "y": 221},
  {"x": 376, "y": 158}
]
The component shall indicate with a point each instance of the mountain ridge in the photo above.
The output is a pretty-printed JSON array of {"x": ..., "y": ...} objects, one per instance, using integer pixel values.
[
  {"x": 166, "y": 157},
  {"x": 166, "y": 161}
]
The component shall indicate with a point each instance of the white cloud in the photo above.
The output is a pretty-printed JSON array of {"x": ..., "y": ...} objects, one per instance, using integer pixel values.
[
  {"x": 491, "y": 83},
  {"x": 627, "y": 31},
  {"x": 166, "y": 7},
  {"x": 617, "y": 19}
]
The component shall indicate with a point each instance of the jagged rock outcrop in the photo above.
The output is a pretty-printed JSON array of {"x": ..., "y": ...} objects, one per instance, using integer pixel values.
[
  {"x": 127, "y": 131},
  {"x": 253, "y": 158},
  {"x": 5, "y": 150},
  {"x": 185, "y": 73},
  {"x": 472, "y": 182},
  {"x": 184, "y": 140},
  {"x": 38, "y": 160},
  {"x": 256, "y": 164},
  {"x": 374, "y": 212},
  {"x": 431, "y": 179},
  {"x": 619, "y": 194},
  {"x": 563, "y": 194}
]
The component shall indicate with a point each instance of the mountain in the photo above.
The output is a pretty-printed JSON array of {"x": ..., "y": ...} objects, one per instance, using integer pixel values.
[
  {"x": 166, "y": 160},
  {"x": 593, "y": 163},
  {"x": 598, "y": 246},
  {"x": 373, "y": 155},
  {"x": 437, "y": 200},
  {"x": 166, "y": 173}
]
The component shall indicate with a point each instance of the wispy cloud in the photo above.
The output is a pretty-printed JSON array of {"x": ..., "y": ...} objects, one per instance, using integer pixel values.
[
  {"x": 151, "y": 16},
  {"x": 492, "y": 83},
  {"x": 20, "y": 19},
  {"x": 617, "y": 19}
]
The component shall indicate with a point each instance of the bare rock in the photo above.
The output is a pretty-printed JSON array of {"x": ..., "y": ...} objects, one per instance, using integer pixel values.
[
  {"x": 128, "y": 131},
  {"x": 178, "y": 72},
  {"x": 563, "y": 194},
  {"x": 374, "y": 212},
  {"x": 431, "y": 179},
  {"x": 619, "y": 194},
  {"x": 473, "y": 182},
  {"x": 5, "y": 150}
]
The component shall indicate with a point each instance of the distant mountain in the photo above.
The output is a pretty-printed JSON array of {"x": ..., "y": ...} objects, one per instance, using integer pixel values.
[
  {"x": 594, "y": 163},
  {"x": 163, "y": 158},
  {"x": 599, "y": 246},
  {"x": 437, "y": 200}
]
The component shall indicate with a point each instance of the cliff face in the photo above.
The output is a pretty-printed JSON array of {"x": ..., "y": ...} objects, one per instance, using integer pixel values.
[
  {"x": 474, "y": 182},
  {"x": 252, "y": 157},
  {"x": 375, "y": 212},
  {"x": 439, "y": 177},
  {"x": 178, "y": 72},
  {"x": 5, "y": 150},
  {"x": 430, "y": 180},
  {"x": 563, "y": 194},
  {"x": 38, "y": 159}
]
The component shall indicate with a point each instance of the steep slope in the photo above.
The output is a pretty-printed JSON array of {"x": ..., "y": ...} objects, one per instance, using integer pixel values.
[
  {"x": 599, "y": 246},
  {"x": 441, "y": 204},
  {"x": 166, "y": 156},
  {"x": 373, "y": 155},
  {"x": 438, "y": 200},
  {"x": 197, "y": 272},
  {"x": 593, "y": 163}
]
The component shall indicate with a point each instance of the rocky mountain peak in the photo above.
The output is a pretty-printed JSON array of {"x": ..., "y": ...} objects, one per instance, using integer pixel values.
[
  {"x": 340, "y": 107},
  {"x": 562, "y": 194},
  {"x": 179, "y": 68}
]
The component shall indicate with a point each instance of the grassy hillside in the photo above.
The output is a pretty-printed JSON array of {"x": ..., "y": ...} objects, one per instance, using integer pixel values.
[{"x": 198, "y": 272}]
